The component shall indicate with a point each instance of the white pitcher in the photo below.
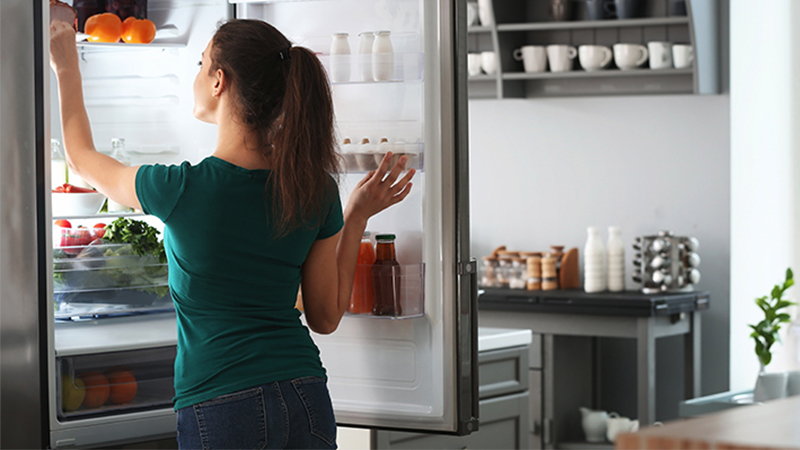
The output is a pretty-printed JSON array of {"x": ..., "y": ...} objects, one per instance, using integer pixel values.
[{"x": 594, "y": 424}]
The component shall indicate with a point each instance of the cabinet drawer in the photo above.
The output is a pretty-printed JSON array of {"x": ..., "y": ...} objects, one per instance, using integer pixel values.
[
  {"x": 504, "y": 424},
  {"x": 503, "y": 372}
]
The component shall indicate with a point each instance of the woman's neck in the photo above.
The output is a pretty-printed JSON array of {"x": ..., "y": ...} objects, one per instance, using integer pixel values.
[{"x": 237, "y": 145}]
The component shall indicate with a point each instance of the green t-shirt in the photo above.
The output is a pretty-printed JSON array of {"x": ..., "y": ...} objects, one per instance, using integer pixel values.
[{"x": 234, "y": 284}]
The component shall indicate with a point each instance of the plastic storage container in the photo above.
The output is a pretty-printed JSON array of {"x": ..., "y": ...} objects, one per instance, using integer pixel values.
[
  {"x": 107, "y": 279},
  {"x": 104, "y": 384}
]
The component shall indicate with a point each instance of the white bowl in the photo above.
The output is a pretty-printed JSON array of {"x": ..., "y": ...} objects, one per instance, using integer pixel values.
[{"x": 77, "y": 203}]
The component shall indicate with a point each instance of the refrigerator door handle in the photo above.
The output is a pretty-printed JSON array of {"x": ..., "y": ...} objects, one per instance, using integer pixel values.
[{"x": 468, "y": 312}]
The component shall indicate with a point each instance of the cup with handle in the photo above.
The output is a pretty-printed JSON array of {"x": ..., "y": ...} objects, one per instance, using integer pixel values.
[
  {"x": 533, "y": 57},
  {"x": 630, "y": 56},
  {"x": 682, "y": 56},
  {"x": 594, "y": 57},
  {"x": 489, "y": 62},
  {"x": 660, "y": 54},
  {"x": 474, "y": 64},
  {"x": 560, "y": 57}
]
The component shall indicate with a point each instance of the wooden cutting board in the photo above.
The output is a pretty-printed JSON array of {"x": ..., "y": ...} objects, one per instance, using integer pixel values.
[{"x": 569, "y": 277}]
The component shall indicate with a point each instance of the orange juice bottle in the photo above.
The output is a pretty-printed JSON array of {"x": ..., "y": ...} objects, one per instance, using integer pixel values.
[{"x": 362, "y": 300}]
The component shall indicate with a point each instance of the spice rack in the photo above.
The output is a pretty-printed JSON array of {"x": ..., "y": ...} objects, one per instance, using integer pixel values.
[{"x": 520, "y": 22}]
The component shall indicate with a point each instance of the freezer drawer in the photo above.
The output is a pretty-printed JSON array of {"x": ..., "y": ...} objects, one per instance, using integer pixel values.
[{"x": 106, "y": 384}]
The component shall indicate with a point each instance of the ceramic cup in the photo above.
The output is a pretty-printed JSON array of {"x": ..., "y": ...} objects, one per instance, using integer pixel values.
[
  {"x": 472, "y": 13},
  {"x": 616, "y": 425},
  {"x": 770, "y": 386},
  {"x": 474, "y": 64},
  {"x": 682, "y": 56},
  {"x": 594, "y": 424},
  {"x": 485, "y": 12},
  {"x": 561, "y": 10},
  {"x": 594, "y": 57},
  {"x": 793, "y": 383},
  {"x": 595, "y": 9},
  {"x": 489, "y": 62},
  {"x": 630, "y": 56},
  {"x": 660, "y": 54},
  {"x": 533, "y": 57},
  {"x": 623, "y": 9},
  {"x": 560, "y": 57}
]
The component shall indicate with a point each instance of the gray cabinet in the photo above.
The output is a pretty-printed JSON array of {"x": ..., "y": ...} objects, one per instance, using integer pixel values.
[
  {"x": 505, "y": 408},
  {"x": 524, "y": 22}
]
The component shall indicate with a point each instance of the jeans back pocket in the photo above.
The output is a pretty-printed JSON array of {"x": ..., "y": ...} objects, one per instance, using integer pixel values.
[
  {"x": 236, "y": 420},
  {"x": 313, "y": 392}
]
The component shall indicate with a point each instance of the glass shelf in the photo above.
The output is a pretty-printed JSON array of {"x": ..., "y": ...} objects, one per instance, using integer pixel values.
[
  {"x": 608, "y": 73},
  {"x": 593, "y": 24}
]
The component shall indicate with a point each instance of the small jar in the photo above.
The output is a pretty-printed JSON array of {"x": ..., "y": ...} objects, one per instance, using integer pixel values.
[
  {"x": 549, "y": 274},
  {"x": 504, "y": 271},
  {"x": 488, "y": 271},
  {"x": 517, "y": 278}
]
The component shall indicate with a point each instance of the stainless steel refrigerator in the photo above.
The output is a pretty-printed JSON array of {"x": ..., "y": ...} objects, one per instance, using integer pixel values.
[{"x": 412, "y": 370}]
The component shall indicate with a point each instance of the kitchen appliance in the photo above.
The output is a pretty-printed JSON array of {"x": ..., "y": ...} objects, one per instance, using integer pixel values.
[
  {"x": 406, "y": 372},
  {"x": 666, "y": 263}
]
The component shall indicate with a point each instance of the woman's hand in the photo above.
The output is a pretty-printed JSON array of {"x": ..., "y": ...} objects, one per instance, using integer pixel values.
[
  {"x": 379, "y": 190},
  {"x": 63, "y": 50}
]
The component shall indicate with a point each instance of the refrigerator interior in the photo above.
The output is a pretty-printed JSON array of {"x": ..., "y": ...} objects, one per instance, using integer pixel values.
[{"x": 393, "y": 372}]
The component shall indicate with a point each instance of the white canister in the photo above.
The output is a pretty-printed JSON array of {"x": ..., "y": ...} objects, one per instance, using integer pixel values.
[
  {"x": 366, "y": 40},
  {"x": 340, "y": 58},
  {"x": 382, "y": 56},
  {"x": 615, "y": 267},
  {"x": 594, "y": 255}
]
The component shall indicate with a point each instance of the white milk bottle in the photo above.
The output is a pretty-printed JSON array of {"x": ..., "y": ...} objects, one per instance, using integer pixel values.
[
  {"x": 382, "y": 57},
  {"x": 58, "y": 164},
  {"x": 340, "y": 58},
  {"x": 118, "y": 152},
  {"x": 594, "y": 278},
  {"x": 616, "y": 260},
  {"x": 365, "y": 55}
]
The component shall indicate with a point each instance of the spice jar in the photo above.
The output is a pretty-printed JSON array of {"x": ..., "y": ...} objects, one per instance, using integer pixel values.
[
  {"x": 517, "y": 278},
  {"x": 534, "y": 272},
  {"x": 488, "y": 271},
  {"x": 549, "y": 274},
  {"x": 504, "y": 271}
]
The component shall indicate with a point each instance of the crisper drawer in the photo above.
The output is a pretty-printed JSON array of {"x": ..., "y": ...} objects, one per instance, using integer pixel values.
[
  {"x": 106, "y": 279},
  {"x": 104, "y": 384}
]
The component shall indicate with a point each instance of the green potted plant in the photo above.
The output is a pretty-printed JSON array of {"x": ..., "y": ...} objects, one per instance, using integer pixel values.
[{"x": 766, "y": 333}]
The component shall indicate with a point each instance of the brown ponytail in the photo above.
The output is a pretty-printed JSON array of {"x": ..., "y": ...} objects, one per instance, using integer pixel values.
[{"x": 283, "y": 93}]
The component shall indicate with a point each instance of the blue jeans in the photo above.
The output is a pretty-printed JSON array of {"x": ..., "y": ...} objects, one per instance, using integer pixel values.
[{"x": 284, "y": 414}]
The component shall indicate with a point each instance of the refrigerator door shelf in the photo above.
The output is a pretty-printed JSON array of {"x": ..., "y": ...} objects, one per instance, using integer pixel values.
[
  {"x": 104, "y": 384},
  {"x": 407, "y": 68},
  {"x": 406, "y": 293}
]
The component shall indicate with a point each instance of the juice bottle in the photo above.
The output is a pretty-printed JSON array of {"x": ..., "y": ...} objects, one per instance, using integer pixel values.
[
  {"x": 362, "y": 300},
  {"x": 386, "y": 278}
]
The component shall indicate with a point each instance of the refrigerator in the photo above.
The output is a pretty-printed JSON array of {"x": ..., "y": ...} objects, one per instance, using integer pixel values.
[{"x": 415, "y": 370}]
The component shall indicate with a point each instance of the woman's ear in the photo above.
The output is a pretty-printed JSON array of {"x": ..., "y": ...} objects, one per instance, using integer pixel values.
[{"x": 220, "y": 83}]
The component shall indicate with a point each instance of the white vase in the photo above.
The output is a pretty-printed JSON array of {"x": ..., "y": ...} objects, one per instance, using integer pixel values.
[
  {"x": 770, "y": 386},
  {"x": 340, "y": 58},
  {"x": 594, "y": 256},
  {"x": 382, "y": 56},
  {"x": 615, "y": 266}
]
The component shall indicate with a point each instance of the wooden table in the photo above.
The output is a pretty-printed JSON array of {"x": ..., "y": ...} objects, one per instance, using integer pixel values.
[{"x": 772, "y": 425}]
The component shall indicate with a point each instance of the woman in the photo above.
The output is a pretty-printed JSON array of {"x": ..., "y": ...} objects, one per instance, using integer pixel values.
[{"x": 243, "y": 229}]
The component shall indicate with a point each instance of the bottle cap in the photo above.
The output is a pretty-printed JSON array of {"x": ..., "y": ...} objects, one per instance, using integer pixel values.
[
  {"x": 385, "y": 237},
  {"x": 366, "y": 234}
]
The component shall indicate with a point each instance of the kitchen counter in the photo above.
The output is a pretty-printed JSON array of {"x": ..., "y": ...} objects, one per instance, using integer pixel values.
[
  {"x": 497, "y": 338},
  {"x": 771, "y": 425}
]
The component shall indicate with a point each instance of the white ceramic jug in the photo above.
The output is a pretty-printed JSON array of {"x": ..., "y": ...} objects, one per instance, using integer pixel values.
[
  {"x": 594, "y": 424},
  {"x": 616, "y": 425}
]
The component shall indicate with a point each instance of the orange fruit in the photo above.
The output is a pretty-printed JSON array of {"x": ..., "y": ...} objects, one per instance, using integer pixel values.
[
  {"x": 104, "y": 27},
  {"x": 138, "y": 31},
  {"x": 97, "y": 389},
  {"x": 123, "y": 386}
]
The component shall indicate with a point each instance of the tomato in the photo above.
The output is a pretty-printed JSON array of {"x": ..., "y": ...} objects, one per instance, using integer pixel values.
[
  {"x": 75, "y": 238},
  {"x": 63, "y": 223},
  {"x": 105, "y": 27},
  {"x": 99, "y": 230},
  {"x": 66, "y": 187},
  {"x": 83, "y": 236},
  {"x": 138, "y": 31},
  {"x": 59, "y": 188}
]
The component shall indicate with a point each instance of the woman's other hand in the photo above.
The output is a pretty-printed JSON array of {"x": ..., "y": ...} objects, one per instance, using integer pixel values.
[
  {"x": 63, "y": 50},
  {"x": 379, "y": 190}
]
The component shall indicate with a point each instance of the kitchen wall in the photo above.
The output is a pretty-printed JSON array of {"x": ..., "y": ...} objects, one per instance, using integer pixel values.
[{"x": 542, "y": 170}]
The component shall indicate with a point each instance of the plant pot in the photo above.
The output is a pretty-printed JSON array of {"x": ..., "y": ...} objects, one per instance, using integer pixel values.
[{"x": 770, "y": 386}]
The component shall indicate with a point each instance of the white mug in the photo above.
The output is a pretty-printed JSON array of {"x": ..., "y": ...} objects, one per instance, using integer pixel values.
[
  {"x": 560, "y": 57},
  {"x": 594, "y": 57},
  {"x": 472, "y": 13},
  {"x": 485, "y": 12},
  {"x": 489, "y": 62},
  {"x": 533, "y": 57},
  {"x": 683, "y": 56},
  {"x": 616, "y": 425},
  {"x": 474, "y": 64},
  {"x": 630, "y": 56},
  {"x": 660, "y": 54}
]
